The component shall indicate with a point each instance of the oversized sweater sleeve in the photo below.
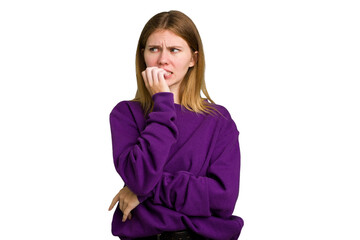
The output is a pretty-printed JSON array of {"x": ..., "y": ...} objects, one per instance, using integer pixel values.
[
  {"x": 139, "y": 156},
  {"x": 212, "y": 195}
]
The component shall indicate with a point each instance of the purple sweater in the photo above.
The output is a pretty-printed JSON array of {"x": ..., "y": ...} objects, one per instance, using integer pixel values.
[{"x": 183, "y": 166}]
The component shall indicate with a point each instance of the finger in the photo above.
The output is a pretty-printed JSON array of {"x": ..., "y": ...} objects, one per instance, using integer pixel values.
[
  {"x": 162, "y": 77},
  {"x": 149, "y": 76},
  {"x": 124, "y": 217},
  {"x": 161, "y": 74},
  {"x": 130, "y": 216},
  {"x": 155, "y": 75},
  {"x": 114, "y": 201},
  {"x": 126, "y": 214},
  {"x": 163, "y": 83}
]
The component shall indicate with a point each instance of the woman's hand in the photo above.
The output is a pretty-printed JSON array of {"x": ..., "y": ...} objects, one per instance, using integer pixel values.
[
  {"x": 127, "y": 202},
  {"x": 154, "y": 80}
]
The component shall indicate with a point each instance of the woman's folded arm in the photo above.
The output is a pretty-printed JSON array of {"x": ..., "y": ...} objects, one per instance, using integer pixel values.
[{"x": 139, "y": 157}]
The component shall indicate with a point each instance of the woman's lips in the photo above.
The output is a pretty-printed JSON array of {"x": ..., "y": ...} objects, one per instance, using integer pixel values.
[{"x": 167, "y": 75}]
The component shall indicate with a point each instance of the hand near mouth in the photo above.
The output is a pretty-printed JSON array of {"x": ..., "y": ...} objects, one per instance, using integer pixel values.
[{"x": 154, "y": 79}]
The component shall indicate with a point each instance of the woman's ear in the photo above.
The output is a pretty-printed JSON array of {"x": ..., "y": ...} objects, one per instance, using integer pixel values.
[{"x": 194, "y": 59}]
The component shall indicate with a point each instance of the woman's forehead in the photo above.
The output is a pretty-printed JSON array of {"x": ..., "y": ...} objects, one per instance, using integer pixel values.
[{"x": 167, "y": 37}]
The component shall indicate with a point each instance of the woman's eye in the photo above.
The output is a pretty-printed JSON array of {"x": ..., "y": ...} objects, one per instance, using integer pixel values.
[
  {"x": 153, "y": 49},
  {"x": 175, "y": 50}
]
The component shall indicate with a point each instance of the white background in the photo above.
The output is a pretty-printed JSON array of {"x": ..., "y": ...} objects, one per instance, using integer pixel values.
[{"x": 288, "y": 72}]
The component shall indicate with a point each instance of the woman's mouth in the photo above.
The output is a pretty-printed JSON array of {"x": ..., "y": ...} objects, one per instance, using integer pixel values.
[{"x": 168, "y": 74}]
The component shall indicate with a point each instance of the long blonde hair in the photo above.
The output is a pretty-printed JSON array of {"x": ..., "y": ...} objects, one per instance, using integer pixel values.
[{"x": 194, "y": 80}]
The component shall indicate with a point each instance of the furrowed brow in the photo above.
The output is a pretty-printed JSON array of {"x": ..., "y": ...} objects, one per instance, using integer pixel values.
[
  {"x": 154, "y": 45},
  {"x": 179, "y": 47}
]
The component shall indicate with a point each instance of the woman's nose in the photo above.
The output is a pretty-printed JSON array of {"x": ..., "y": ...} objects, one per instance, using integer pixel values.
[{"x": 163, "y": 58}]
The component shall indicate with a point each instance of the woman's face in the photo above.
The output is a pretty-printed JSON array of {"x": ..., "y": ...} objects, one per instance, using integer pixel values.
[{"x": 168, "y": 51}]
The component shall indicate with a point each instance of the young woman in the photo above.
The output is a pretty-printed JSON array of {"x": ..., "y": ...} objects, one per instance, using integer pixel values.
[{"x": 177, "y": 153}]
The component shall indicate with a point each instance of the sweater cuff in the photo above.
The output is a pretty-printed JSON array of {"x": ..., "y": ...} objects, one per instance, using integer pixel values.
[
  {"x": 163, "y": 101},
  {"x": 143, "y": 198}
]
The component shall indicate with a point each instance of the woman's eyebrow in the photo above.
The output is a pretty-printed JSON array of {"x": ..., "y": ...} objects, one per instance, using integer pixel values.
[
  {"x": 175, "y": 47},
  {"x": 160, "y": 46}
]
